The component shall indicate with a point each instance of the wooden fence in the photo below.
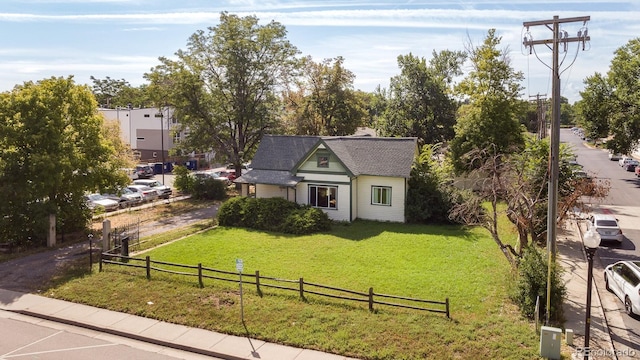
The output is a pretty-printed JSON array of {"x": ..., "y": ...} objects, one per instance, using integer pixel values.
[{"x": 260, "y": 281}]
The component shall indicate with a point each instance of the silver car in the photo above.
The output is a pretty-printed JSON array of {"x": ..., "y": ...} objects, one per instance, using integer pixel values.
[
  {"x": 623, "y": 279},
  {"x": 606, "y": 225}
]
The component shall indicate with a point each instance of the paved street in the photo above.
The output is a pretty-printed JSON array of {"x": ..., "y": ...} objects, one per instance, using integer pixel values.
[{"x": 623, "y": 201}]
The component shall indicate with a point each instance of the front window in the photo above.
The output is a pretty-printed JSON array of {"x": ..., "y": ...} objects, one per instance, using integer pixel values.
[
  {"x": 323, "y": 196},
  {"x": 381, "y": 195}
]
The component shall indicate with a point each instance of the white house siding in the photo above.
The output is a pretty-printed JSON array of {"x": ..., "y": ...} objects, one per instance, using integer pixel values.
[
  {"x": 343, "y": 196},
  {"x": 367, "y": 211},
  {"x": 269, "y": 191}
]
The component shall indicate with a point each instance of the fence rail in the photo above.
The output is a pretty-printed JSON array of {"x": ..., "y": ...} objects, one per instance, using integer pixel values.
[{"x": 260, "y": 281}]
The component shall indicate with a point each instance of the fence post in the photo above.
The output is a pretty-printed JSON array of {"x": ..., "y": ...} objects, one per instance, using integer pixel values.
[
  {"x": 447, "y": 304},
  {"x": 100, "y": 267},
  {"x": 258, "y": 283},
  {"x": 200, "y": 275},
  {"x": 371, "y": 299},
  {"x": 148, "y": 261},
  {"x": 302, "y": 288}
]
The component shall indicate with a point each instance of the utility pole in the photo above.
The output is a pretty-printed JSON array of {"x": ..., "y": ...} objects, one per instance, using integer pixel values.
[
  {"x": 541, "y": 115},
  {"x": 560, "y": 38}
]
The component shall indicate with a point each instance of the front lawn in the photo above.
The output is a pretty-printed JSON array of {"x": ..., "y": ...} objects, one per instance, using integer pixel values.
[{"x": 427, "y": 262}]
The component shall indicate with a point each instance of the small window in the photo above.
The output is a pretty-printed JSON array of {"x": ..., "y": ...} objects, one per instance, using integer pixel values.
[
  {"x": 381, "y": 195},
  {"x": 140, "y": 138},
  {"x": 158, "y": 115},
  {"x": 146, "y": 115},
  {"x": 323, "y": 161}
]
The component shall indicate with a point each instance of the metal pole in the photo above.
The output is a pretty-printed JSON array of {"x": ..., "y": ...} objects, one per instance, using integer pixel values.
[
  {"x": 587, "y": 322},
  {"x": 241, "y": 302},
  {"x": 162, "y": 140}
]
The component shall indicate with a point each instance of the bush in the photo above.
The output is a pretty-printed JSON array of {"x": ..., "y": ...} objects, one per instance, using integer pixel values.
[
  {"x": 209, "y": 189},
  {"x": 532, "y": 282},
  {"x": 272, "y": 214},
  {"x": 184, "y": 182},
  {"x": 306, "y": 220},
  {"x": 199, "y": 188}
]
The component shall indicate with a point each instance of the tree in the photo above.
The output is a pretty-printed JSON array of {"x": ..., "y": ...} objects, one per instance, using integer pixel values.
[
  {"x": 429, "y": 196},
  {"x": 324, "y": 102},
  {"x": 54, "y": 149},
  {"x": 491, "y": 90},
  {"x": 112, "y": 93},
  {"x": 515, "y": 185},
  {"x": 224, "y": 86},
  {"x": 419, "y": 104},
  {"x": 596, "y": 105},
  {"x": 624, "y": 119}
]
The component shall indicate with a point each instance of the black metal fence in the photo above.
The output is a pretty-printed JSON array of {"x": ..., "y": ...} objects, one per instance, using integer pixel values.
[{"x": 260, "y": 281}]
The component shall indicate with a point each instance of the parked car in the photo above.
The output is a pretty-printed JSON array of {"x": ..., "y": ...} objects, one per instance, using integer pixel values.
[
  {"x": 631, "y": 165},
  {"x": 148, "y": 194},
  {"x": 144, "y": 171},
  {"x": 164, "y": 192},
  {"x": 126, "y": 197},
  {"x": 623, "y": 279},
  {"x": 623, "y": 160},
  {"x": 606, "y": 225},
  {"x": 97, "y": 201},
  {"x": 213, "y": 175},
  {"x": 615, "y": 156}
]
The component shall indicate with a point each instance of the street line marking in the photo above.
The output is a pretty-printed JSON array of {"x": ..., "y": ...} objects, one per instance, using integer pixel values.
[{"x": 59, "y": 350}]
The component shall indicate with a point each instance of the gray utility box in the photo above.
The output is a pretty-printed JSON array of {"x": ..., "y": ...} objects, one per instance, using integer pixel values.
[{"x": 550, "y": 341}]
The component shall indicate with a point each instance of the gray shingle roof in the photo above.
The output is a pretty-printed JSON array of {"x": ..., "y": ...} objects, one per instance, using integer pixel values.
[
  {"x": 277, "y": 155},
  {"x": 377, "y": 156},
  {"x": 282, "y": 152},
  {"x": 271, "y": 177}
]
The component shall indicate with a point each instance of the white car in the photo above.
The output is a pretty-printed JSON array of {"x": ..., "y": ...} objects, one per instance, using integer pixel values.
[
  {"x": 148, "y": 194},
  {"x": 163, "y": 190},
  {"x": 97, "y": 201},
  {"x": 615, "y": 156},
  {"x": 606, "y": 225},
  {"x": 623, "y": 279},
  {"x": 624, "y": 160}
]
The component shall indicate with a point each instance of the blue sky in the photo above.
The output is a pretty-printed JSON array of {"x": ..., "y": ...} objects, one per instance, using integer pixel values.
[{"x": 123, "y": 39}]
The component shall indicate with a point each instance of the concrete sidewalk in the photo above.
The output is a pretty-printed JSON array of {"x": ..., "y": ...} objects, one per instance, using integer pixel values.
[
  {"x": 573, "y": 259},
  {"x": 156, "y": 332}
]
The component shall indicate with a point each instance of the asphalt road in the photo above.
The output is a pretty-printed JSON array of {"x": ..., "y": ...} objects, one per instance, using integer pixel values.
[{"x": 624, "y": 202}]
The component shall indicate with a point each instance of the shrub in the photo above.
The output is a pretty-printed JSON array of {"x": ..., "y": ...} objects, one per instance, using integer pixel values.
[
  {"x": 184, "y": 182},
  {"x": 209, "y": 189},
  {"x": 272, "y": 214},
  {"x": 305, "y": 220},
  {"x": 532, "y": 282}
]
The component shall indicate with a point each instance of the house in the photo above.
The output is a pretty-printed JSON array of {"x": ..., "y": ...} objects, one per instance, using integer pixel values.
[{"x": 348, "y": 177}]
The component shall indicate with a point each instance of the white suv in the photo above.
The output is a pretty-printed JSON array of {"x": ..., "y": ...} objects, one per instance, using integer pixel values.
[
  {"x": 164, "y": 192},
  {"x": 623, "y": 279}
]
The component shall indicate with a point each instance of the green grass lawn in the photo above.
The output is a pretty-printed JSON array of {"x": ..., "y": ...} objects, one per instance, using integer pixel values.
[{"x": 427, "y": 262}]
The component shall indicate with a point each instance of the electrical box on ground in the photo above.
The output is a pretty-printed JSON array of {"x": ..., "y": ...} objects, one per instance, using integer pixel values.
[{"x": 550, "y": 341}]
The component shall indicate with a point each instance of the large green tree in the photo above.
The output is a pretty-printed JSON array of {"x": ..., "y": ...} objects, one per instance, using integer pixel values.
[
  {"x": 491, "y": 90},
  {"x": 419, "y": 103},
  {"x": 225, "y": 86},
  {"x": 54, "y": 149},
  {"x": 623, "y": 75},
  {"x": 324, "y": 102},
  {"x": 595, "y": 106}
]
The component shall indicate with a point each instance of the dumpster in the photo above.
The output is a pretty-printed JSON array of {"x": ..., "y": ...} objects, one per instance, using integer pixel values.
[
  {"x": 157, "y": 168},
  {"x": 168, "y": 167},
  {"x": 192, "y": 164}
]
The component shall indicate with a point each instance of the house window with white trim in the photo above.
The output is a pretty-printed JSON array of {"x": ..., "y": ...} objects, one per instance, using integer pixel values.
[
  {"x": 323, "y": 197},
  {"x": 381, "y": 195}
]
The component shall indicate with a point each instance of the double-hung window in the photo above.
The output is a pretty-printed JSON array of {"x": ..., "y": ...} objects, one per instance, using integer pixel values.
[
  {"x": 323, "y": 196},
  {"x": 381, "y": 195}
]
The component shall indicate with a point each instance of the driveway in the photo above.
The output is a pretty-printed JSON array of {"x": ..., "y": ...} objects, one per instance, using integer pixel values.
[{"x": 31, "y": 274}]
